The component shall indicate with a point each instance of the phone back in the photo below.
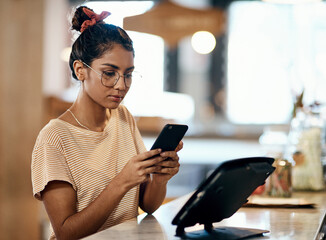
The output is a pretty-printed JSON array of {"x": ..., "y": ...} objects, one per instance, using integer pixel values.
[{"x": 170, "y": 137}]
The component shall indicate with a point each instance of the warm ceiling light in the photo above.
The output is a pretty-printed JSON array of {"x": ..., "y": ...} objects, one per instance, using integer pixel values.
[
  {"x": 291, "y": 1},
  {"x": 203, "y": 42}
]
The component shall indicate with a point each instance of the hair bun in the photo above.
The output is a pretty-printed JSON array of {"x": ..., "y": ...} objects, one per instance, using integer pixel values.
[{"x": 78, "y": 18}]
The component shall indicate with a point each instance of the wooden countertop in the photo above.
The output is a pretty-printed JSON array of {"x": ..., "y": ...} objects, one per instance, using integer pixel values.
[{"x": 283, "y": 223}]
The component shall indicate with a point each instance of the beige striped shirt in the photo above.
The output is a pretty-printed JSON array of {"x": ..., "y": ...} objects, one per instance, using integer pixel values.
[{"x": 88, "y": 160}]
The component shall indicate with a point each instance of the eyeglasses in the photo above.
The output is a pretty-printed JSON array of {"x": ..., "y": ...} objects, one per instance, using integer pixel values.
[{"x": 110, "y": 78}]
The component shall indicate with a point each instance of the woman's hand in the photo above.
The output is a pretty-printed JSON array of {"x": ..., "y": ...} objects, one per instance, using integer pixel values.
[
  {"x": 152, "y": 192},
  {"x": 139, "y": 168},
  {"x": 179, "y": 147},
  {"x": 169, "y": 167}
]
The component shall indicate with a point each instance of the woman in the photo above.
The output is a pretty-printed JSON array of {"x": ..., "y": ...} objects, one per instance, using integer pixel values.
[{"x": 90, "y": 166}]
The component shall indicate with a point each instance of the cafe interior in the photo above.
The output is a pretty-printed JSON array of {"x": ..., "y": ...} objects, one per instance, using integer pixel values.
[{"x": 247, "y": 77}]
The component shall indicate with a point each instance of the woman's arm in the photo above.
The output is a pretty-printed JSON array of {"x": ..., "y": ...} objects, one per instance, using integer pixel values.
[
  {"x": 152, "y": 192},
  {"x": 60, "y": 199}
]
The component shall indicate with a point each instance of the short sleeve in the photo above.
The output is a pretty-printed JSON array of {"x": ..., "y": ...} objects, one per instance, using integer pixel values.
[{"x": 48, "y": 164}]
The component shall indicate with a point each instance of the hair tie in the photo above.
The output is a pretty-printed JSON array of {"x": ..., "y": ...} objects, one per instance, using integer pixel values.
[{"x": 94, "y": 18}]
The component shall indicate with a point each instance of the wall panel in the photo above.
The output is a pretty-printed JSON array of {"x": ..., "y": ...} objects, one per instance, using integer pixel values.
[{"x": 21, "y": 41}]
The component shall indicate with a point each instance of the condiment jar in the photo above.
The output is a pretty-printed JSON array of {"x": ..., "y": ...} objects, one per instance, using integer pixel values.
[{"x": 279, "y": 182}]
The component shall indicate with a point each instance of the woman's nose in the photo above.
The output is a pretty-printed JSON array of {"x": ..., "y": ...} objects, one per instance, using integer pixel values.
[{"x": 121, "y": 85}]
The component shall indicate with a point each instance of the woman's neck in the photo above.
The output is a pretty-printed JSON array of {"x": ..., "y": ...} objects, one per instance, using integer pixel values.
[{"x": 89, "y": 113}]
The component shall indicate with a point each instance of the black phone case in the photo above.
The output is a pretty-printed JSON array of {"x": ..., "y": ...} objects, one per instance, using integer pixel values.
[{"x": 170, "y": 137}]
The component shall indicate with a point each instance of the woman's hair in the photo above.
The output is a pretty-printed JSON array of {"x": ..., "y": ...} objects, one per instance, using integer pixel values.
[{"x": 95, "y": 40}]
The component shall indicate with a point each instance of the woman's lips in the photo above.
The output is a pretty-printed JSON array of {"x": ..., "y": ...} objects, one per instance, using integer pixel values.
[{"x": 116, "y": 98}]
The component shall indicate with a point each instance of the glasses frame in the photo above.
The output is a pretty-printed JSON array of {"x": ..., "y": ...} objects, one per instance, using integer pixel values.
[{"x": 116, "y": 81}]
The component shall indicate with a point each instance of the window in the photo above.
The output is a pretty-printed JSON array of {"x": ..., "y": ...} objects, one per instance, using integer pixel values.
[{"x": 274, "y": 51}]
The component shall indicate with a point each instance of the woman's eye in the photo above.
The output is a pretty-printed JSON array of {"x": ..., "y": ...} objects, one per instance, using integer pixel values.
[
  {"x": 109, "y": 74},
  {"x": 128, "y": 75}
]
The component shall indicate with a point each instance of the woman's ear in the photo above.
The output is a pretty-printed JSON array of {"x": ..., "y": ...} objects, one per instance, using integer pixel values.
[{"x": 79, "y": 70}]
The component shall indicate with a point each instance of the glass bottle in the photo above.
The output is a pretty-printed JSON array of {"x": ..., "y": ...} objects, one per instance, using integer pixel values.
[{"x": 306, "y": 140}]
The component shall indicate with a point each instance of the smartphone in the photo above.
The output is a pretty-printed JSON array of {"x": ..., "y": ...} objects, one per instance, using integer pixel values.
[{"x": 170, "y": 137}]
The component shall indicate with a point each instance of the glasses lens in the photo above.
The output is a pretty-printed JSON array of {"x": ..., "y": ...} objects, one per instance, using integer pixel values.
[
  {"x": 109, "y": 78},
  {"x": 128, "y": 78}
]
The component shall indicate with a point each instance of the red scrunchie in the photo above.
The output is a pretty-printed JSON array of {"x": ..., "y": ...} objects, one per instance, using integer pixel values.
[{"x": 94, "y": 18}]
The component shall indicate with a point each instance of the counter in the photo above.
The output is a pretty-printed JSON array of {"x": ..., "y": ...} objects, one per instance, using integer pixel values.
[{"x": 283, "y": 223}]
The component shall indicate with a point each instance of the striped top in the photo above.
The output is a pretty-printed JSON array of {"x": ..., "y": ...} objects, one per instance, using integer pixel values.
[{"x": 88, "y": 160}]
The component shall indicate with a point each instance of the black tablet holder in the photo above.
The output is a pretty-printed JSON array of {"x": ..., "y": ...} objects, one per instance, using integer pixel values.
[
  {"x": 220, "y": 196},
  {"x": 208, "y": 227}
]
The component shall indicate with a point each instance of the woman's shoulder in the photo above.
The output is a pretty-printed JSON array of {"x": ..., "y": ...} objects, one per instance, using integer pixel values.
[
  {"x": 123, "y": 116},
  {"x": 52, "y": 132},
  {"x": 123, "y": 108},
  {"x": 55, "y": 125},
  {"x": 123, "y": 111}
]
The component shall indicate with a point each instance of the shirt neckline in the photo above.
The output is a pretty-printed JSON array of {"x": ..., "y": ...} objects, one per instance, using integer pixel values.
[{"x": 84, "y": 129}]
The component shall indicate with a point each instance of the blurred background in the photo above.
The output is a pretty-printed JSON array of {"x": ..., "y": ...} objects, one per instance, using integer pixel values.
[{"x": 232, "y": 70}]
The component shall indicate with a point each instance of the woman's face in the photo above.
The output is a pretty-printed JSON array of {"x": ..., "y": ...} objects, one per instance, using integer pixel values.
[{"x": 117, "y": 59}]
